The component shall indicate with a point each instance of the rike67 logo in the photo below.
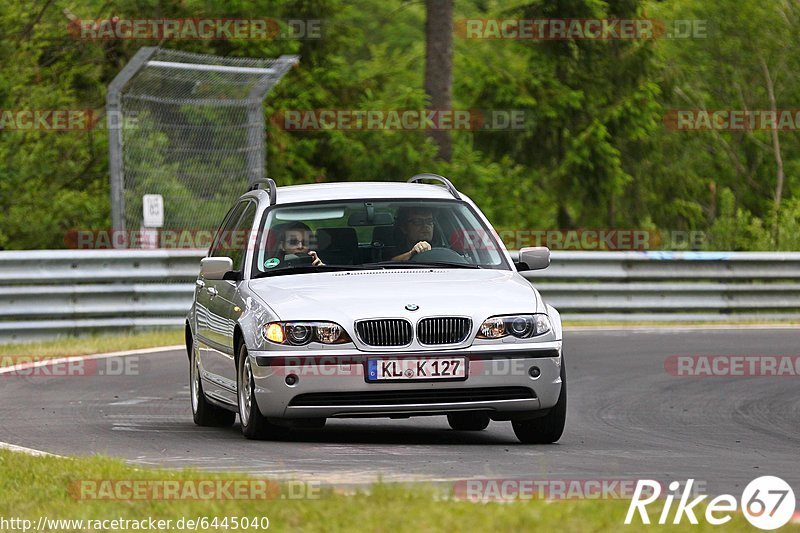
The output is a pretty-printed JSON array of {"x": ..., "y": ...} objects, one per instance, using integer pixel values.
[{"x": 768, "y": 502}]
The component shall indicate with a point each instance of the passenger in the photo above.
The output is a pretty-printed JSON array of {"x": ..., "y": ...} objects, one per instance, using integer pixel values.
[
  {"x": 295, "y": 239},
  {"x": 414, "y": 231}
]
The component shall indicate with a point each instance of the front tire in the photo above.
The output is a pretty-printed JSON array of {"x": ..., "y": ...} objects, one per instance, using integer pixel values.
[
  {"x": 468, "y": 421},
  {"x": 205, "y": 413},
  {"x": 254, "y": 424},
  {"x": 549, "y": 428}
]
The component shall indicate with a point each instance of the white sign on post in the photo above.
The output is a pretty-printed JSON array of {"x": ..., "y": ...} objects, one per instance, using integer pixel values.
[
  {"x": 152, "y": 211},
  {"x": 152, "y": 218}
]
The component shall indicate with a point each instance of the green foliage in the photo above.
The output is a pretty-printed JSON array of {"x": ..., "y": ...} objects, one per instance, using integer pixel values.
[
  {"x": 593, "y": 152},
  {"x": 737, "y": 229}
]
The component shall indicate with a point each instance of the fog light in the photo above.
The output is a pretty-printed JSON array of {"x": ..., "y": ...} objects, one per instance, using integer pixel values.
[
  {"x": 292, "y": 379},
  {"x": 534, "y": 372}
]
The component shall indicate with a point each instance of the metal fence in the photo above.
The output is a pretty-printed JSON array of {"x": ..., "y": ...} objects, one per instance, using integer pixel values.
[
  {"x": 49, "y": 293},
  {"x": 184, "y": 125}
]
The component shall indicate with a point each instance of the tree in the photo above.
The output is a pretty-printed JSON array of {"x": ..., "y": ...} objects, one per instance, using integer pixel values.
[{"x": 439, "y": 66}]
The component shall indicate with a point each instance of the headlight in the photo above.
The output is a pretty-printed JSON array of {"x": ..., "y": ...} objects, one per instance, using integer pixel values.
[
  {"x": 520, "y": 326},
  {"x": 302, "y": 333},
  {"x": 274, "y": 332},
  {"x": 328, "y": 333},
  {"x": 298, "y": 334},
  {"x": 493, "y": 328}
]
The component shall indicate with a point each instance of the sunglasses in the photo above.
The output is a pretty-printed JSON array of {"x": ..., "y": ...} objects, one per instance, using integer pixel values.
[
  {"x": 294, "y": 241},
  {"x": 421, "y": 221}
]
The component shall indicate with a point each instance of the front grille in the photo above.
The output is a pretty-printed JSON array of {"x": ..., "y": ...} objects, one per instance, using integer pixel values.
[
  {"x": 404, "y": 397},
  {"x": 443, "y": 330},
  {"x": 384, "y": 332}
]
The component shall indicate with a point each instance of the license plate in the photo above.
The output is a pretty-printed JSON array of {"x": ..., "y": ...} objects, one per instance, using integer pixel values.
[{"x": 416, "y": 368}]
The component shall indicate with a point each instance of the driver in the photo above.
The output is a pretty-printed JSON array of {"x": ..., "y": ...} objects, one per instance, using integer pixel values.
[
  {"x": 415, "y": 225},
  {"x": 295, "y": 239}
]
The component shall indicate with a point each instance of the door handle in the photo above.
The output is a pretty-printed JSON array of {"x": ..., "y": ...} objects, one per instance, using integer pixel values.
[{"x": 212, "y": 291}]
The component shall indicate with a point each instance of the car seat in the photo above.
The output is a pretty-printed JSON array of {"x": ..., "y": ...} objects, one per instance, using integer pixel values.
[{"x": 337, "y": 246}]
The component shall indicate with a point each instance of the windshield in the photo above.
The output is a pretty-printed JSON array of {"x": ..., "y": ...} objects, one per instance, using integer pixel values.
[{"x": 359, "y": 235}]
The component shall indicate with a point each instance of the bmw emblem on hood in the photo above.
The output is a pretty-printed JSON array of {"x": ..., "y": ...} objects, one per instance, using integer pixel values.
[{"x": 412, "y": 307}]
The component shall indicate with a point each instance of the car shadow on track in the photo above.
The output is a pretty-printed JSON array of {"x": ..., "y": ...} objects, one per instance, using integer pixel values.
[{"x": 348, "y": 432}]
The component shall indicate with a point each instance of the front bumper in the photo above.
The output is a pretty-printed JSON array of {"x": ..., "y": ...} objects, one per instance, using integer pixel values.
[{"x": 333, "y": 385}]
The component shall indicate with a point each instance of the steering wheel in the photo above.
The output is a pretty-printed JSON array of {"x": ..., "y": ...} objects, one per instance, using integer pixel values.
[
  {"x": 297, "y": 260},
  {"x": 436, "y": 255}
]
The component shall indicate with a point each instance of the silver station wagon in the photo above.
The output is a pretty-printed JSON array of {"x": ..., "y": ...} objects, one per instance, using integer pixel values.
[{"x": 344, "y": 300}]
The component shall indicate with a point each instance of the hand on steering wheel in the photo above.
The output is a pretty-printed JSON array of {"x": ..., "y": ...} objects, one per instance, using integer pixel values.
[
  {"x": 440, "y": 255},
  {"x": 316, "y": 260},
  {"x": 421, "y": 246}
]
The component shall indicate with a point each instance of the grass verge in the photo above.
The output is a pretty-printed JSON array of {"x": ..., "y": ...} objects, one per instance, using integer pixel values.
[
  {"x": 34, "y": 487},
  {"x": 73, "y": 346},
  {"x": 567, "y": 324}
]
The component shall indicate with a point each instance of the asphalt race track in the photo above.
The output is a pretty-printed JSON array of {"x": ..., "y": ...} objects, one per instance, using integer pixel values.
[{"x": 628, "y": 418}]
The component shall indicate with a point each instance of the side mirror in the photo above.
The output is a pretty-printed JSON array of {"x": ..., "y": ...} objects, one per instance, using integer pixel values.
[
  {"x": 534, "y": 258},
  {"x": 233, "y": 275},
  {"x": 215, "y": 267}
]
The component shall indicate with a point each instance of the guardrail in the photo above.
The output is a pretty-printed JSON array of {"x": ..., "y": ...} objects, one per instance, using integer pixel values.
[
  {"x": 49, "y": 293},
  {"x": 672, "y": 286}
]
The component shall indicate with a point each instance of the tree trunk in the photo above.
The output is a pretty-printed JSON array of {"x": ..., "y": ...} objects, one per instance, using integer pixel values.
[
  {"x": 439, "y": 65},
  {"x": 776, "y": 148}
]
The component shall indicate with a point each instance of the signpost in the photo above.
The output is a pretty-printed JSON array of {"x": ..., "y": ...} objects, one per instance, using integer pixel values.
[{"x": 152, "y": 219}]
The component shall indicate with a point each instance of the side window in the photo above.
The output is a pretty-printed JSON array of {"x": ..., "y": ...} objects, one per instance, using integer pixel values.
[
  {"x": 225, "y": 237},
  {"x": 241, "y": 244}
]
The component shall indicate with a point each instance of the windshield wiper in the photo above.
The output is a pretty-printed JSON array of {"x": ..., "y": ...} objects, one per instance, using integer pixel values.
[
  {"x": 421, "y": 264},
  {"x": 306, "y": 269},
  {"x": 448, "y": 264}
]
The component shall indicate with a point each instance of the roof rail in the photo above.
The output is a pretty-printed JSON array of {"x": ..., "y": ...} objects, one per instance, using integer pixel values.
[
  {"x": 448, "y": 185},
  {"x": 273, "y": 193}
]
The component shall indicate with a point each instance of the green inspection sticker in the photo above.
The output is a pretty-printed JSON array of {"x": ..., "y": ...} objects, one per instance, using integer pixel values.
[{"x": 272, "y": 262}]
